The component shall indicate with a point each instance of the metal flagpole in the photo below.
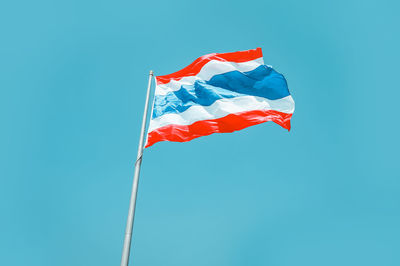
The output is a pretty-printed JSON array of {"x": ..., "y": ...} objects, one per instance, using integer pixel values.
[{"x": 132, "y": 204}]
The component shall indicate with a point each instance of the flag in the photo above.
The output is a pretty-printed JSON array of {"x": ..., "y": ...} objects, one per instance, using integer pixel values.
[{"x": 218, "y": 93}]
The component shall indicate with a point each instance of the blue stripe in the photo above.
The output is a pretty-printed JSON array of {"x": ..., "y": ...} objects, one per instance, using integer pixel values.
[{"x": 262, "y": 81}]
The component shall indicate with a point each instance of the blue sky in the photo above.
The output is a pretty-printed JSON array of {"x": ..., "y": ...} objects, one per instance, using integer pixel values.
[{"x": 73, "y": 79}]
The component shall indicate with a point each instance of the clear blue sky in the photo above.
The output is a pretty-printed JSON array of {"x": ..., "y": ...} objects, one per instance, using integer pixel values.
[{"x": 73, "y": 76}]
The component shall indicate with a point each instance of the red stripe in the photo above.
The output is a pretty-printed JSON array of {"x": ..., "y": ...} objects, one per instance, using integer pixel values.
[
  {"x": 227, "y": 124},
  {"x": 195, "y": 67}
]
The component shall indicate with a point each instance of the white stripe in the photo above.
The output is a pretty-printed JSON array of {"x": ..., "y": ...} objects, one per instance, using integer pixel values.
[
  {"x": 221, "y": 108},
  {"x": 212, "y": 68}
]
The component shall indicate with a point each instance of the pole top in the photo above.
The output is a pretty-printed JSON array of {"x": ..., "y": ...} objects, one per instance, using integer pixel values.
[{"x": 151, "y": 73}]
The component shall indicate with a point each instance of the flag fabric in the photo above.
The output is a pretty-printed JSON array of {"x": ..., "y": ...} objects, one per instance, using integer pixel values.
[{"x": 218, "y": 93}]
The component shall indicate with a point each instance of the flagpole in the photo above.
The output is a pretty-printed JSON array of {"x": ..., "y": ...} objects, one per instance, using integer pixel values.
[{"x": 132, "y": 203}]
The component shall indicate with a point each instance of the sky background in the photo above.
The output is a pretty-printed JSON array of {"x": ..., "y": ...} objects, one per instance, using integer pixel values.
[{"x": 73, "y": 76}]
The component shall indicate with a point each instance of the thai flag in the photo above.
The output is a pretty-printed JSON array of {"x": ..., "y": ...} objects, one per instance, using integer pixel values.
[{"x": 218, "y": 93}]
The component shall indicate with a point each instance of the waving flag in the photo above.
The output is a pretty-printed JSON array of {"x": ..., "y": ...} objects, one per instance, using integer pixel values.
[{"x": 218, "y": 93}]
